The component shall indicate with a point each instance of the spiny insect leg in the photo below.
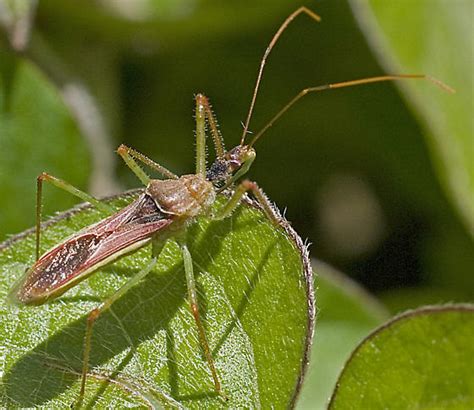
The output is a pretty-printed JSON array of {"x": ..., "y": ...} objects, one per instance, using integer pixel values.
[
  {"x": 259, "y": 195},
  {"x": 204, "y": 109},
  {"x": 129, "y": 155}
]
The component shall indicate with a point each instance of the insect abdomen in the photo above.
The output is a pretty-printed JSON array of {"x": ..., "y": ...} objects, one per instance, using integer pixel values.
[{"x": 187, "y": 196}]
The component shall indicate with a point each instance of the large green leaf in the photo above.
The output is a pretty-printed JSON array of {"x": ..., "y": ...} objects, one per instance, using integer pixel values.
[
  {"x": 419, "y": 360},
  {"x": 434, "y": 37},
  {"x": 37, "y": 133},
  {"x": 346, "y": 314},
  {"x": 255, "y": 291}
]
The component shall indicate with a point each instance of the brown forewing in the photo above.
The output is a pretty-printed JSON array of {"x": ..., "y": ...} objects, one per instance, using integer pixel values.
[{"x": 75, "y": 258}]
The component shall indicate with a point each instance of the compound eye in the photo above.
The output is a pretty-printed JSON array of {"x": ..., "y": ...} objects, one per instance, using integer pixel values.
[{"x": 234, "y": 164}]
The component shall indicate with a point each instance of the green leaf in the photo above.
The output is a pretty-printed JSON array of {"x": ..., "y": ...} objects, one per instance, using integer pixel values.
[
  {"x": 37, "y": 133},
  {"x": 433, "y": 37},
  {"x": 419, "y": 360},
  {"x": 346, "y": 314},
  {"x": 253, "y": 281}
]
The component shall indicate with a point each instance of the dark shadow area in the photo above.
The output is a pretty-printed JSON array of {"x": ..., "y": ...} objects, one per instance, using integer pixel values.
[
  {"x": 172, "y": 368},
  {"x": 396, "y": 262},
  {"x": 113, "y": 376}
]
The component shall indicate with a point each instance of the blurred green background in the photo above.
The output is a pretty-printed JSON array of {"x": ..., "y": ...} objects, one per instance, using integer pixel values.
[{"x": 378, "y": 178}]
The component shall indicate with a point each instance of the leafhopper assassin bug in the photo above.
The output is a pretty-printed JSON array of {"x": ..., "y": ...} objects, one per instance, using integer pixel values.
[{"x": 164, "y": 210}]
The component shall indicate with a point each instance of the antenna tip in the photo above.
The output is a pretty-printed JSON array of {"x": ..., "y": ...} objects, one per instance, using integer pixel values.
[
  {"x": 441, "y": 85},
  {"x": 309, "y": 12}
]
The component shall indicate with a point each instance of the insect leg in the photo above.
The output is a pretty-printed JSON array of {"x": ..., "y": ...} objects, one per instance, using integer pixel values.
[
  {"x": 94, "y": 315},
  {"x": 200, "y": 137},
  {"x": 204, "y": 112},
  {"x": 67, "y": 187},
  {"x": 129, "y": 155},
  {"x": 259, "y": 195},
  {"x": 193, "y": 300}
]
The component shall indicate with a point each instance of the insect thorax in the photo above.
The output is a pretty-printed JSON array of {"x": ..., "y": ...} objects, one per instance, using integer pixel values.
[{"x": 188, "y": 196}]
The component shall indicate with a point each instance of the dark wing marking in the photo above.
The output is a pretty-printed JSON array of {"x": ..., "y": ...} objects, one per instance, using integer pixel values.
[
  {"x": 74, "y": 259},
  {"x": 141, "y": 210}
]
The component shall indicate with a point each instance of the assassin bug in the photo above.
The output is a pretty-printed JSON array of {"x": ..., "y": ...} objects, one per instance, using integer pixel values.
[{"x": 164, "y": 210}]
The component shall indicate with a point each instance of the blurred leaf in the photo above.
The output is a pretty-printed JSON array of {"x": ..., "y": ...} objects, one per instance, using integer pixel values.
[
  {"x": 37, "y": 133},
  {"x": 151, "y": 24},
  {"x": 346, "y": 314},
  {"x": 253, "y": 291},
  {"x": 433, "y": 37},
  {"x": 450, "y": 248},
  {"x": 421, "y": 359},
  {"x": 16, "y": 17},
  {"x": 398, "y": 300}
]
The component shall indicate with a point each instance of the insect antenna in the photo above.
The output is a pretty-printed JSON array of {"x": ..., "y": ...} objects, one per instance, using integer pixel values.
[
  {"x": 270, "y": 46},
  {"x": 343, "y": 84}
]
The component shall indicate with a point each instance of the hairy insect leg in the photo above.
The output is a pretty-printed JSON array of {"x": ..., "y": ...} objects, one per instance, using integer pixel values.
[
  {"x": 200, "y": 137},
  {"x": 129, "y": 155},
  {"x": 193, "y": 301},
  {"x": 259, "y": 195},
  {"x": 59, "y": 183},
  {"x": 204, "y": 113},
  {"x": 94, "y": 315}
]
